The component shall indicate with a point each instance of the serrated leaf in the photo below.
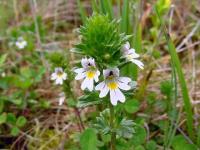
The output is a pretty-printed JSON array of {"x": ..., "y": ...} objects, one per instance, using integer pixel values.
[
  {"x": 140, "y": 147},
  {"x": 102, "y": 123},
  {"x": 151, "y": 145},
  {"x": 180, "y": 143},
  {"x": 132, "y": 106},
  {"x": 139, "y": 136},
  {"x": 14, "y": 131},
  {"x": 126, "y": 128},
  {"x": 3, "y": 59},
  {"x": 166, "y": 88},
  {"x": 88, "y": 100},
  {"x": 16, "y": 101},
  {"x": 88, "y": 140},
  {"x": 3, "y": 118},
  {"x": 1, "y": 105},
  {"x": 21, "y": 121},
  {"x": 11, "y": 118}
]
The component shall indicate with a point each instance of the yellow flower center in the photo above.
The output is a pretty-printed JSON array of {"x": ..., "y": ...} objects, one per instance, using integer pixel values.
[
  {"x": 59, "y": 74},
  {"x": 90, "y": 74},
  {"x": 129, "y": 57},
  {"x": 112, "y": 85}
]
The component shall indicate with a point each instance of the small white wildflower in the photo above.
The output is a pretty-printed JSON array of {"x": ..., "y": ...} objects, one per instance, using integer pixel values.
[
  {"x": 89, "y": 73},
  {"x": 21, "y": 43},
  {"x": 131, "y": 55},
  {"x": 113, "y": 83},
  {"x": 61, "y": 99},
  {"x": 59, "y": 76},
  {"x": 3, "y": 74}
]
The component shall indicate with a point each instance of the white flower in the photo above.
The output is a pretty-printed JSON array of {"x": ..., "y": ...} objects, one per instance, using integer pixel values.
[
  {"x": 3, "y": 74},
  {"x": 59, "y": 76},
  {"x": 113, "y": 83},
  {"x": 89, "y": 73},
  {"x": 21, "y": 43},
  {"x": 131, "y": 55},
  {"x": 61, "y": 99}
]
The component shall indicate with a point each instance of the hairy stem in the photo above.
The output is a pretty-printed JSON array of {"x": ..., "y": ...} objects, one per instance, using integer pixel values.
[{"x": 113, "y": 135}]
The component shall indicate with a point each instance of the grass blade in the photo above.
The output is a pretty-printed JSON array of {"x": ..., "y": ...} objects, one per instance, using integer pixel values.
[
  {"x": 82, "y": 11},
  {"x": 137, "y": 44},
  {"x": 95, "y": 6},
  {"x": 177, "y": 66},
  {"x": 106, "y": 8},
  {"x": 125, "y": 17}
]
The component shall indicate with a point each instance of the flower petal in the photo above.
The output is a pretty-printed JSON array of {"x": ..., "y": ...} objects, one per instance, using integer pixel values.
[
  {"x": 100, "y": 86},
  {"x": 104, "y": 92},
  {"x": 91, "y": 84},
  {"x": 61, "y": 100},
  {"x": 91, "y": 61},
  {"x": 126, "y": 46},
  {"x": 107, "y": 72},
  {"x": 124, "y": 86},
  {"x": 58, "y": 69},
  {"x": 133, "y": 53},
  {"x": 59, "y": 81},
  {"x": 87, "y": 83},
  {"x": 64, "y": 76},
  {"x": 138, "y": 63},
  {"x": 120, "y": 95},
  {"x": 84, "y": 62},
  {"x": 80, "y": 76},
  {"x": 79, "y": 70},
  {"x": 96, "y": 77},
  {"x": 53, "y": 76},
  {"x": 124, "y": 79},
  {"x": 113, "y": 97}
]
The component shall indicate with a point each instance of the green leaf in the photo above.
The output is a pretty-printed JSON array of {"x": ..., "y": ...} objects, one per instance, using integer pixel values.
[
  {"x": 16, "y": 101},
  {"x": 88, "y": 100},
  {"x": 88, "y": 140},
  {"x": 132, "y": 106},
  {"x": 71, "y": 102},
  {"x": 1, "y": 105},
  {"x": 15, "y": 131},
  {"x": 3, "y": 118},
  {"x": 125, "y": 17},
  {"x": 39, "y": 74},
  {"x": 21, "y": 121},
  {"x": 126, "y": 128},
  {"x": 151, "y": 145},
  {"x": 11, "y": 118},
  {"x": 140, "y": 147},
  {"x": 177, "y": 66},
  {"x": 139, "y": 136},
  {"x": 166, "y": 88},
  {"x": 3, "y": 59},
  {"x": 102, "y": 123},
  {"x": 82, "y": 11},
  {"x": 45, "y": 104},
  {"x": 180, "y": 143}
]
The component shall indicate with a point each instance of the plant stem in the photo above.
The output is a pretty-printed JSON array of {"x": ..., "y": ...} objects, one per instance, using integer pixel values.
[
  {"x": 183, "y": 84},
  {"x": 113, "y": 135}
]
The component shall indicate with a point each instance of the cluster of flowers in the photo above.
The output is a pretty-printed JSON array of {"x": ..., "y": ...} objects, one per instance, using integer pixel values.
[{"x": 112, "y": 83}]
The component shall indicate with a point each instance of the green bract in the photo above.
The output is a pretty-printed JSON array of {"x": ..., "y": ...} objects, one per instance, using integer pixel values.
[{"x": 101, "y": 39}]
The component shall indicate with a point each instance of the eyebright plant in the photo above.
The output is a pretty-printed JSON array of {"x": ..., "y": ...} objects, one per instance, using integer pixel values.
[
  {"x": 59, "y": 76},
  {"x": 21, "y": 43},
  {"x": 104, "y": 51}
]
